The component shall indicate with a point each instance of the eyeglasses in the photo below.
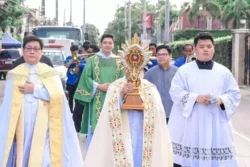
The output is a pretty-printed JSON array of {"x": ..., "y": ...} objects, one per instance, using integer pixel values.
[
  {"x": 35, "y": 49},
  {"x": 161, "y": 54}
]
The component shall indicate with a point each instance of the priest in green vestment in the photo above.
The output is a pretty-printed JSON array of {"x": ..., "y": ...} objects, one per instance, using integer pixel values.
[{"x": 99, "y": 72}]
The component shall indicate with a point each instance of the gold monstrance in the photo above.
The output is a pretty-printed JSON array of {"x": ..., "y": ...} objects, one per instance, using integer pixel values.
[{"x": 134, "y": 58}]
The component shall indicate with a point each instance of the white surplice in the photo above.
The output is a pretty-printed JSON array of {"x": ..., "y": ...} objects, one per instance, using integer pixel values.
[
  {"x": 131, "y": 138},
  {"x": 71, "y": 150},
  {"x": 202, "y": 135}
]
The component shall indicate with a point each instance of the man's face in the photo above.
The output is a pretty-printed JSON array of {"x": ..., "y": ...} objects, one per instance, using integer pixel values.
[
  {"x": 32, "y": 52},
  {"x": 188, "y": 51},
  {"x": 153, "y": 50},
  {"x": 204, "y": 50},
  {"x": 163, "y": 57},
  {"x": 83, "y": 51},
  {"x": 107, "y": 45}
]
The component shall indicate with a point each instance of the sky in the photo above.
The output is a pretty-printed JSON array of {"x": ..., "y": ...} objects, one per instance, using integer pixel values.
[{"x": 98, "y": 12}]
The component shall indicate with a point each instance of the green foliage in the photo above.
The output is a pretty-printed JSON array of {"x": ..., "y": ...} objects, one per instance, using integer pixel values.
[
  {"x": 49, "y": 22},
  {"x": 18, "y": 37},
  {"x": 234, "y": 11},
  {"x": 117, "y": 26},
  {"x": 11, "y": 14},
  {"x": 69, "y": 23},
  {"x": 223, "y": 50},
  {"x": 93, "y": 33},
  {"x": 173, "y": 14},
  {"x": 1, "y": 35},
  {"x": 190, "y": 34},
  {"x": 223, "y": 3}
]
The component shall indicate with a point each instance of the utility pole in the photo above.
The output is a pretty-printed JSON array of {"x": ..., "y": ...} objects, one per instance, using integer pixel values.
[
  {"x": 125, "y": 12},
  {"x": 158, "y": 28},
  {"x": 64, "y": 17},
  {"x": 71, "y": 13},
  {"x": 129, "y": 19},
  {"x": 43, "y": 8},
  {"x": 83, "y": 24},
  {"x": 166, "y": 28},
  {"x": 57, "y": 12},
  {"x": 144, "y": 20}
]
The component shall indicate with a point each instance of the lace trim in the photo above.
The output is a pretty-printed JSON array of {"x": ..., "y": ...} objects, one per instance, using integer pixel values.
[
  {"x": 205, "y": 154},
  {"x": 148, "y": 126},
  {"x": 184, "y": 101},
  {"x": 98, "y": 93},
  {"x": 231, "y": 104},
  {"x": 118, "y": 69},
  {"x": 115, "y": 123},
  {"x": 83, "y": 92}
]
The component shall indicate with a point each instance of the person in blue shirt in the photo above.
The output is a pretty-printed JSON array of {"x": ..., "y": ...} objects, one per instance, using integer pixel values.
[
  {"x": 152, "y": 47},
  {"x": 187, "y": 51},
  {"x": 72, "y": 74}
]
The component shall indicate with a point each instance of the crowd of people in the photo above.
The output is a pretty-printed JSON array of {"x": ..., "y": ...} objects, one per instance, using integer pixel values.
[{"x": 186, "y": 120}]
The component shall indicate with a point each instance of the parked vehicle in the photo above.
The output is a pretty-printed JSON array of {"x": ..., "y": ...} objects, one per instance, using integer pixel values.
[
  {"x": 57, "y": 56},
  {"x": 59, "y": 32},
  {"x": 7, "y": 57}
]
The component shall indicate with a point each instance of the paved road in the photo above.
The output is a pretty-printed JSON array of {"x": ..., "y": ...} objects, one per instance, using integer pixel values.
[
  {"x": 2, "y": 85},
  {"x": 241, "y": 127}
]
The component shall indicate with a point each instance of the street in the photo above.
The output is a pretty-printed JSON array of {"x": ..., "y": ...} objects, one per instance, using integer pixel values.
[{"x": 241, "y": 127}]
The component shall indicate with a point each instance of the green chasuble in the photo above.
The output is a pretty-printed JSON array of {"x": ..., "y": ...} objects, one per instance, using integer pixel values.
[{"x": 102, "y": 71}]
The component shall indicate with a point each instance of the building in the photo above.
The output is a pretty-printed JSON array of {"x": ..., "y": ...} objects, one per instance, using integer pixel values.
[{"x": 203, "y": 20}]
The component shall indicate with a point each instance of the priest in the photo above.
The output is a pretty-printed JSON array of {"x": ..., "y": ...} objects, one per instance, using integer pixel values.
[
  {"x": 205, "y": 96},
  {"x": 36, "y": 128},
  {"x": 131, "y": 137}
]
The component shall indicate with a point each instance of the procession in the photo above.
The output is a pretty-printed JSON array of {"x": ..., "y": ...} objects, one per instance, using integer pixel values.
[{"x": 72, "y": 100}]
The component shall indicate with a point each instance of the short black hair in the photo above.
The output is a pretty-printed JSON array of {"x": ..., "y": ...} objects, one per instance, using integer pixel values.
[
  {"x": 153, "y": 44},
  {"x": 107, "y": 36},
  {"x": 85, "y": 46},
  {"x": 203, "y": 36},
  {"x": 32, "y": 38},
  {"x": 168, "y": 48},
  {"x": 95, "y": 48},
  {"x": 188, "y": 45},
  {"x": 87, "y": 42},
  {"x": 74, "y": 48}
]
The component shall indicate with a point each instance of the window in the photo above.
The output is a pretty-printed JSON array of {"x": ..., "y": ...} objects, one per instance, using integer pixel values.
[
  {"x": 58, "y": 33},
  {"x": 9, "y": 54},
  {"x": 57, "y": 58}
]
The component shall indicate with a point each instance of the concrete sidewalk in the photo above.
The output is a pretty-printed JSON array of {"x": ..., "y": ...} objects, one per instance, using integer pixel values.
[{"x": 241, "y": 126}]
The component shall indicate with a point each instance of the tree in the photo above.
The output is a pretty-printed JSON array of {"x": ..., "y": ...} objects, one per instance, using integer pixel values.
[
  {"x": 234, "y": 11},
  {"x": 92, "y": 33},
  {"x": 11, "y": 14},
  {"x": 69, "y": 23},
  {"x": 49, "y": 22},
  {"x": 212, "y": 6},
  {"x": 223, "y": 3},
  {"x": 117, "y": 26},
  {"x": 173, "y": 14}
]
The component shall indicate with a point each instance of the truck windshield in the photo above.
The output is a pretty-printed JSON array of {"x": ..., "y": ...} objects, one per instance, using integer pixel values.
[{"x": 60, "y": 32}]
